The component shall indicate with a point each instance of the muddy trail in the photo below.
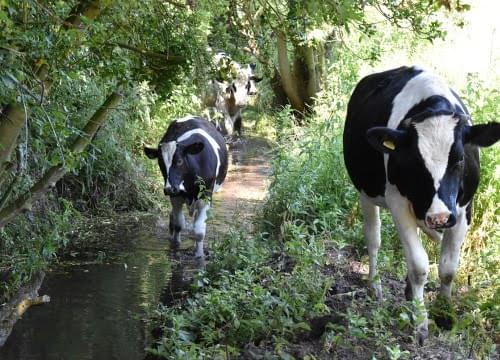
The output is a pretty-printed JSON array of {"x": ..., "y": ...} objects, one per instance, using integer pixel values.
[{"x": 101, "y": 309}]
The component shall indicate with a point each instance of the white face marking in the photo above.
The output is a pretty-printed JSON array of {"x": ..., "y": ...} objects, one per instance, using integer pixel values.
[
  {"x": 419, "y": 88},
  {"x": 181, "y": 186},
  {"x": 437, "y": 207},
  {"x": 211, "y": 141},
  {"x": 435, "y": 138},
  {"x": 167, "y": 151}
]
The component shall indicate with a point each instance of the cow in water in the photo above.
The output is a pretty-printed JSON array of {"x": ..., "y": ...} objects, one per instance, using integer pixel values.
[
  {"x": 410, "y": 146},
  {"x": 229, "y": 94},
  {"x": 193, "y": 160}
]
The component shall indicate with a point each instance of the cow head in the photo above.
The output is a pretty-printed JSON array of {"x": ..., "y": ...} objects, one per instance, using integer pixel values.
[
  {"x": 242, "y": 85},
  {"x": 252, "y": 79},
  {"x": 176, "y": 163},
  {"x": 427, "y": 160}
]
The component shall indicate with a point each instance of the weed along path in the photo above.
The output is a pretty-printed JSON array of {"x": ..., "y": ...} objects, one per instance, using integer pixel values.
[{"x": 99, "y": 309}]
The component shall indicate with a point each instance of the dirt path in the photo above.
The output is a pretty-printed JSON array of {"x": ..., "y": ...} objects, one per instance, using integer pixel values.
[
  {"x": 245, "y": 187},
  {"x": 240, "y": 197}
]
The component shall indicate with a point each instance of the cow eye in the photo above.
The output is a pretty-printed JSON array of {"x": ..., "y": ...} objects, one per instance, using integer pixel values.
[{"x": 179, "y": 162}]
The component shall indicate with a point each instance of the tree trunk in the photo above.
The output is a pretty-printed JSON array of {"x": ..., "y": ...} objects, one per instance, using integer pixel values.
[
  {"x": 287, "y": 78},
  {"x": 312, "y": 77},
  {"x": 56, "y": 172},
  {"x": 11, "y": 125}
]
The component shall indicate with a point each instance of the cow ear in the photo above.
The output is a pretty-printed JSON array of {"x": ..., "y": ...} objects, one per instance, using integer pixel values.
[
  {"x": 386, "y": 140},
  {"x": 151, "y": 152},
  {"x": 194, "y": 148},
  {"x": 482, "y": 135}
]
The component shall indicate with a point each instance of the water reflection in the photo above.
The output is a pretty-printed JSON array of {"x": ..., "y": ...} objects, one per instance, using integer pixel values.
[{"x": 96, "y": 311}]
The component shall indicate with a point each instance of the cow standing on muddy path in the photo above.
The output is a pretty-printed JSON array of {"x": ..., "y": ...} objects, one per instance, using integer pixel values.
[
  {"x": 193, "y": 160},
  {"x": 230, "y": 97},
  {"x": 410, "y": 146}
]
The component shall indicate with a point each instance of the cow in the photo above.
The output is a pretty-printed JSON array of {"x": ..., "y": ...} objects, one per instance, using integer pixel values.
[
  {"x": 193, "y": 160},
  {"x": 229, "y": 92},
  {"x": 410, "y": 147}
]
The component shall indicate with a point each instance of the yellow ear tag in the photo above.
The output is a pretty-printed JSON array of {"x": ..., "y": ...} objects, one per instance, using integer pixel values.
[{"x": 389, "y": 144}]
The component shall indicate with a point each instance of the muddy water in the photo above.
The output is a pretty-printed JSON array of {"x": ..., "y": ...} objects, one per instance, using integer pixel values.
[{"x": 100, "y": 311}]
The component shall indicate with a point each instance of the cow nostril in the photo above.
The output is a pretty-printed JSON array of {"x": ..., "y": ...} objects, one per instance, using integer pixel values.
[
  {"x": 452, "y": 220},
  {"x": 439, "y": 220}
]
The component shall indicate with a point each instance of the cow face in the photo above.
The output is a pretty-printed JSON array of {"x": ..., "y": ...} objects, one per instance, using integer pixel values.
[
  {"x": 427, "y": 161},
  {"x": 243, "y": 85},
  {"x": 174, "y": 160},
  {"x": 252, "y": 79}
]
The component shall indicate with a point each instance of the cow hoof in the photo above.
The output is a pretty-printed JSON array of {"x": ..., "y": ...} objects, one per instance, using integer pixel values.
[
  {"x": 175, "y": 244},
  {"x": 376, "y": 292},
  {"x": 443, "y": 312},
  {"x": 422, "y": 335},
  {"x": 408, "y": 290}
]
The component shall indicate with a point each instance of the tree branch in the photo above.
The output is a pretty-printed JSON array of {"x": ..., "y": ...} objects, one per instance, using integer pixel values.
[
  {"x": 55, "y": 173},
  {"x": 171, "y": 59}
]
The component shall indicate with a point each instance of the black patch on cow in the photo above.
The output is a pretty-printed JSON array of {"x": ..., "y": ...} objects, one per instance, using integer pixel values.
[
  {"x": 371, "y": 105},
  {"x": 194, "y": 162}
]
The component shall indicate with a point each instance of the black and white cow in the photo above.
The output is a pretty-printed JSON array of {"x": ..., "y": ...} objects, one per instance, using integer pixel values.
[
  {"x": 230, "y": 95},
  {"x": 193, "y": 159},
  {"x": 410, "y": 146}
]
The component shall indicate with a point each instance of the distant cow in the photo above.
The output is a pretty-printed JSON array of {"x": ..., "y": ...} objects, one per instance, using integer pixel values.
[
  {"x": 229, "y": 94},
  {"x": 193, "y": 159},
  {"x": 410, "y": 146}
]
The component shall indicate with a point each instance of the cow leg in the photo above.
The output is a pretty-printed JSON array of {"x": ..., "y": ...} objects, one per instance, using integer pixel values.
[
  {"x": 200, "y": 225},
  {"x": 237, "y": 125},
  {"x": 177, "y": 221},
  {"x": 450, "y": 252},
  {"x": 228, "y": 125},
  {"x": 371, "y": 226},
  {"x": 417, "y": 261}
]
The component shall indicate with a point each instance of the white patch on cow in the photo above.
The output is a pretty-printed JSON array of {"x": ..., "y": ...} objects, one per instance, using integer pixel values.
[
  {"x": 419, "y": 88},
  {"x": 437, "y": 207},
  {"x": 211, "y": 141},
  {"x": 217, "y": 187},
  {"x": 200, "y": 225},
  {"x": 185, "y": 118},
  {"x": 417, "y": 260},
  {"x": 181, "y": 186},
  {"x": 371, "y": 227},
  {"x": 378, "y": 200},
  {"x": 450, "y": 251},
  {"x": 167, "y": 151},
  {"x": 435, "y": 138}
]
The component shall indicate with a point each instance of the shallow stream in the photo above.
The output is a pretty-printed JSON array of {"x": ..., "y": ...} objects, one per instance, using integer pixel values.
[{"x": 100, "y": 311}]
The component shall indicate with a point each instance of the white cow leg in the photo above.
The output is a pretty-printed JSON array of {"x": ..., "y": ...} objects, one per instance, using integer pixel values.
[
  {"x": 417, "y": 260},
  {"x": 228, "y": 124},
  {"x": 177, "y": 221},
  {"x": 200, "y": 226},
  {"x": 371, "y": 226},
  {"x": 450, "y": 252}
]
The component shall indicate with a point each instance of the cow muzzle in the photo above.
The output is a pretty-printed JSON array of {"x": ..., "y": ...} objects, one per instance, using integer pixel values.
[{"x": 442, "y": 220}]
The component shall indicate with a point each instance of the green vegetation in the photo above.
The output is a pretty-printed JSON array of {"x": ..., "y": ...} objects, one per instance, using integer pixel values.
[
  {"x": 265, "y": 294},
  {"x": 293, "y": 287}
]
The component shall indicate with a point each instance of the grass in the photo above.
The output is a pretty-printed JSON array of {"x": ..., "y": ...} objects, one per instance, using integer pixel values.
[{"x": 264, "y": 294}]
